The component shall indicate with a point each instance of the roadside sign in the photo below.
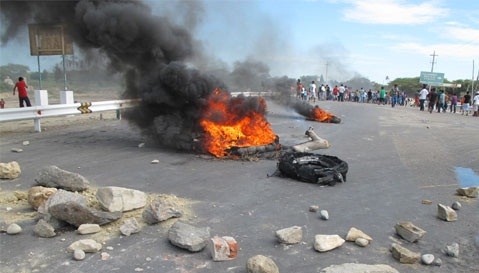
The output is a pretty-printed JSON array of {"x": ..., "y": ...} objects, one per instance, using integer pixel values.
[
  {"x": 49, "y": 40},
  {"x": 431, "y": 78}
]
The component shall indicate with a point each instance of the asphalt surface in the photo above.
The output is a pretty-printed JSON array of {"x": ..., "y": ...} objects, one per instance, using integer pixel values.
[{"x": 397, "y": 157}]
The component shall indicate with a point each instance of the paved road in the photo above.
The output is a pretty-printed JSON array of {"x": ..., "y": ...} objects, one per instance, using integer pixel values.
[{"x": 397, "y": 158}]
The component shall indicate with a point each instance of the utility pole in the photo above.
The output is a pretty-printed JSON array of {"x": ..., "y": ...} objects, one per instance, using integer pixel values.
[
  {"x": 433, "y": 60},
  {"x": 326, "y": 79}
]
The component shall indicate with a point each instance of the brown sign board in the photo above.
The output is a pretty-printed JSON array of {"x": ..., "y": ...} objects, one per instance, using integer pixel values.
[{"x": 49, "y": 40}]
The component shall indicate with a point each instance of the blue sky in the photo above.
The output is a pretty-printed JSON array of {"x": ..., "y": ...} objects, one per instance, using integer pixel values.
[{"x": 373, "y": 38}]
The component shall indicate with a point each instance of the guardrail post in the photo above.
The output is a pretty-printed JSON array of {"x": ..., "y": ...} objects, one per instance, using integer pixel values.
[
  {"x": 41, "y": 99},
  {"x": 66, "y": 97}
]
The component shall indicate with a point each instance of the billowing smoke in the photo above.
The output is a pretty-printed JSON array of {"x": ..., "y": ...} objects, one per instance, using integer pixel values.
[{"x": 150, "y": 51}]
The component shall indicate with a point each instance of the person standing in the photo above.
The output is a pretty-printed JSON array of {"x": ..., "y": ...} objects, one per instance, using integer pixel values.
[
  {"x": 422, "y": 97},
  {"x": 441, "y": 102},
  {"x": 432, "y": 100},
  {"x": 476, "y": 104},
  {"x": 22, "y": 87},
  {"x": 467, "y": 102},
  {"x": 341, "y": 92},
  {"x": 453, "y": 103},
  {"x": 394, "y": 95},
  {"x": 312, "y": 91},
  {"x": 299, "y": 89},
  {"x": 382, "y": 95}
]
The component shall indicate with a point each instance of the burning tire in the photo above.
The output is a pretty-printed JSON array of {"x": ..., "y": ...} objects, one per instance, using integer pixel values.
[{"x": 313, "y": 168}]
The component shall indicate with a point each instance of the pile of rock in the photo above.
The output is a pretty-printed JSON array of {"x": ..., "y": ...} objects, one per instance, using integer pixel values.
[{"x": 412, "y": 234}]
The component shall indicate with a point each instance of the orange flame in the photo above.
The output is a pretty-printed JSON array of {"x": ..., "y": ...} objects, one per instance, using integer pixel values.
[
  {"x": 321, "y": 115},
  {"x": 228, "y": 125}
]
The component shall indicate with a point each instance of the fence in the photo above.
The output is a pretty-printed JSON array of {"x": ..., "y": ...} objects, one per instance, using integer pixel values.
[{"x": 43, "y": 111}]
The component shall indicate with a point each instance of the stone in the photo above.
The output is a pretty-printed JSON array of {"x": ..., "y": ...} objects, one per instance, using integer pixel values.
[
  {"x": 291, "y": 235},
  {"x": 26, "y": 143},
  {"x": 88, "y": 229},
  {"x": 72, "y": 208},
  {"x": 404, "y": 255},
  {"x": 87, "y": 245},
  {"x": 355, "y": 233},
  {"x": 471, "y": 192},
  {"x": 44, "y": 229},
  {"x": 54, "y": 177},
  {"x": 79, "y": 254},
  {"x": 188, "y": 237},
  {"x": 359, "y": 268},
  {"x": 10, "y": 170},
  {"x": 130, "y": 226},
  {"x": 38, "y": 195},
  {"x": 17, "y": 150},
  {"x": 160, "y": 210},
  {"x": 261, "y": 264},
  {"x": 118, "y": 199},
  {"x": 456, "y": 205},
  {"x": 427, "y": 259},
  {"x": 361, "y": 242},
  {"x": 426, "y": 202},
  {"x": 437, "y": 262},
  {"x": 104, "y": 256},
  {"x": 14, "y": 229},
  {"x": 452, "y": 250},
  {"x": 409, "y": 232},
  {"x": 223, "y": 248},
  {"x": 323, "y": 214},
  {"x": 314, "y": 208},
  {"x": 323, "y": 243},
  {"x": 446, "y": 213}
]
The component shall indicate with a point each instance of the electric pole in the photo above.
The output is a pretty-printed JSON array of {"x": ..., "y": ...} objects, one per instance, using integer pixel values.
[
  {"x": 326, "y": 80},
  {"x": 433, "y": 60}
]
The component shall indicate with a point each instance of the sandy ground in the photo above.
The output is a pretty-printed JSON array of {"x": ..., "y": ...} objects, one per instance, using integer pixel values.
[{"x": 397, "y": 158}]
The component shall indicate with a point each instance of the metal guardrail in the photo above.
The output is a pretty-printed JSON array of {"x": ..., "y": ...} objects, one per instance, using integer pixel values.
[
  {"x": 38, "y": 112},
  {"x": 252, "y": 94}
]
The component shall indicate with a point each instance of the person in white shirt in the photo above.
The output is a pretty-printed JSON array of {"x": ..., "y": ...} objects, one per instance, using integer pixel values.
[
  {"x": 422, "y": 97},
  {"x": 312, "y": 91},
  {"x": 475, "y": 102}
]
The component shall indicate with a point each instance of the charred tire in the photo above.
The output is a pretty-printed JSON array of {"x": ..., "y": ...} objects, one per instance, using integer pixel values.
[{"x": 313, "y": 168}]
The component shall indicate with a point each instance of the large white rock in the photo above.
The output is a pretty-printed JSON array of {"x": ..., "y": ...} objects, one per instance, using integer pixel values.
[
  {"x": 355, "y": 233},
  {"x": 118, "y": 199},
  {"x": 446, "y": 213},
  {"x": 291, "y": 235},
  {"x": 323, "y": 243},
  {"x": 261, "y": 264},
  {"x": 88, "y": 229},
  {"x": 10, "y": 170},
  {"x": 87, "y": 245}
]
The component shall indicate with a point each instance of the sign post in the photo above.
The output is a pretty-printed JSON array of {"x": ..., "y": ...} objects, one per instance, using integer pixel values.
[
  {"x": 431, "y": 78},
  {"x": 49, "y": 40}
]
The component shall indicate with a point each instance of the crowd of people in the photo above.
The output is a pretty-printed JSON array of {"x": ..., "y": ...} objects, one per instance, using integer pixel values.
[{"x": 425, "y": 98}]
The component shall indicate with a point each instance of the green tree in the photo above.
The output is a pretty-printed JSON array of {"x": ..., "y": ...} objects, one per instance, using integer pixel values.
[{"x": 13, "y": 71}]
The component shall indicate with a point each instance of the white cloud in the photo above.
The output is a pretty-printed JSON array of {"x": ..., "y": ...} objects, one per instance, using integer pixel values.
[
  {"x": 393, "y": 12},
  {"x": 466, "y": 51},
  {"x": 466, "y": 34}
]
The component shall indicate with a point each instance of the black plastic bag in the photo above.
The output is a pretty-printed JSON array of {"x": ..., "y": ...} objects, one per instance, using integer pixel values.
[{"x": 313, "y": 168}]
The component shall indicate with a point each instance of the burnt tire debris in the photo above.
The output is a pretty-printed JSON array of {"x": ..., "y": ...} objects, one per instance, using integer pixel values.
[{"x": 313, "y": 168}]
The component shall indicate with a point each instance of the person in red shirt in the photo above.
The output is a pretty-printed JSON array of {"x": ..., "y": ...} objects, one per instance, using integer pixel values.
[{"x": 22, "y": 92}]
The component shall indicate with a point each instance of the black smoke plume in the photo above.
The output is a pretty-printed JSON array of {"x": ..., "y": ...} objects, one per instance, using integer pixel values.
[{"x": 150, "y": 51}]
